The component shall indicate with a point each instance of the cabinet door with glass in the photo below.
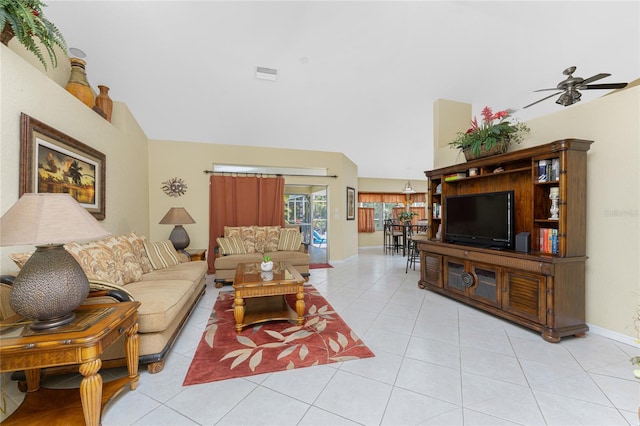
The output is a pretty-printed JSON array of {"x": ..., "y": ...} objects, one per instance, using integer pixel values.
[{"x": 474, "y": 280}]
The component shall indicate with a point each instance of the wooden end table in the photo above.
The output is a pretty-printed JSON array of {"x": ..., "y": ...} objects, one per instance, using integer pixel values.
[
  {"x": 82, "y": 342},
  {"x": 260, "y": 296},
  {"x": 197, "y": 254}
]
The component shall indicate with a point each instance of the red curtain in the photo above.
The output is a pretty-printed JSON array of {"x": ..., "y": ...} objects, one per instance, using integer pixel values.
[
  {"x": 366, "y": 222},
  {"x": 243, "y": 201}
]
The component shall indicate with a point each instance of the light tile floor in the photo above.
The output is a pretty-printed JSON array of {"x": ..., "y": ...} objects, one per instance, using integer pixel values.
[{"x": 438, "y": 362}]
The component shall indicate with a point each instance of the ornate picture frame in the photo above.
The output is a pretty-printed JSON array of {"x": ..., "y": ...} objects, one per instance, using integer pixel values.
[
  {"x": 351, "y": 203},
  {"x": 52, "y": 162}
]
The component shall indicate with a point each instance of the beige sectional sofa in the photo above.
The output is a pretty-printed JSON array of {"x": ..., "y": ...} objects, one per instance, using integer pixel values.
[
  {"x": 244, "y": 244},
  {"x": 127, "y": 267}
]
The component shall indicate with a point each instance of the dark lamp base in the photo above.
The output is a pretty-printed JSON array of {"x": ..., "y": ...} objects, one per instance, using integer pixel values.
[
  {"x": 53, "y": 322},
  {"x": 179, "y": 238}
]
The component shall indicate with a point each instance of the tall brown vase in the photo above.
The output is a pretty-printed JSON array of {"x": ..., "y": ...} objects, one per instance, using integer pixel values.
[
  {"x": 78, "y": 85},
  {"x": 104, "y": 102}
]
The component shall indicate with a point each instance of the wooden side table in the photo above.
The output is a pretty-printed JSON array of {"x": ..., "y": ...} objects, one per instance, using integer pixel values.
[
  {"x": 82, "y": 342},
  {"x": 197, "y": 254}
]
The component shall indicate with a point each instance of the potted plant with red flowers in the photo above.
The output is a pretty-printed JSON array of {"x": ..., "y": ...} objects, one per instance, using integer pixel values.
[
  {"x": 24, "y": 20},
  {"x": 492, "y": 136}
]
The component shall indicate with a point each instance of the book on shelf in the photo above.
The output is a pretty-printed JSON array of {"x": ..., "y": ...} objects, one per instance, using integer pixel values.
[
  {"x": 548, "y": 240},
  {"x": 436, "y": 211},
  {"x": 455, "y": 176}
]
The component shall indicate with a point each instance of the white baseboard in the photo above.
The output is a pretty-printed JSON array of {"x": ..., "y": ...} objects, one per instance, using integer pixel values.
[{"x": 614, "y": 335}]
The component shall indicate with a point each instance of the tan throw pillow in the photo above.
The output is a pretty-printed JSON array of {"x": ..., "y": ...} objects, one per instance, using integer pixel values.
[
  {"x": 20, "y": 258},
  {"x": 232, "y": 245},
  {"x": 272, "y": 237},
  {"x": 290, "y": 240},
  {"x": 127, "y": 260},
  {"x": 137, "y": 242},
  {"x": 97, "y": 261},
  {"x": 247, "y": 233},
  {"x": 161, "y": 254}
]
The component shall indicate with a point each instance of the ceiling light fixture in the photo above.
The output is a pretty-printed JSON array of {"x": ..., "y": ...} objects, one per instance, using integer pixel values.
[
  {"x": 77, "y": 52},
  {"x": 408, "y": 189}
]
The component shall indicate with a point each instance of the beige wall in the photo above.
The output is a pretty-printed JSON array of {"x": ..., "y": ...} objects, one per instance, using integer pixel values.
[
  {"x": 449, "y": 118},
  {"x": 24, "y": 88},
  {"x": 613, "y": 201},
  {"x": 188, "y": 160}
]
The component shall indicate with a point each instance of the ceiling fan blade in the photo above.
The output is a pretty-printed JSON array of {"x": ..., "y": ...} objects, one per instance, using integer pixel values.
[
  {"x": 543, "y": 99},
  {"x": 544, "y": 90},
  {"x": 594, "y": 78},
  {"x": 604, "y": 86}
]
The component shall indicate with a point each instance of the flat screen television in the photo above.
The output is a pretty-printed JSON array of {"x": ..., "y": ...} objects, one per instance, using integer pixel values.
[{"x": 484, "y": 219}]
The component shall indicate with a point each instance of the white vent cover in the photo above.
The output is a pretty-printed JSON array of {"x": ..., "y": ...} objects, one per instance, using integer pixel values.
[{"x": 266, "y": 73}]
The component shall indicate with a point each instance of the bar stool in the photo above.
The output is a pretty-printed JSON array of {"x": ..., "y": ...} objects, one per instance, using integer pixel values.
[
  {"x": 388, "y": 236},
  {"x": 413, "y": 254},
  {"x": 398, "y": 234}
]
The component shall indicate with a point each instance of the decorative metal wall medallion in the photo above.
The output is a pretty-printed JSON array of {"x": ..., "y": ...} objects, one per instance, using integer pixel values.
[{"x": 174, "y": 187}]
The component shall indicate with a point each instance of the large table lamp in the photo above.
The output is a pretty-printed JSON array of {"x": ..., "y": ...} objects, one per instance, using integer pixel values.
[
  {"x": 51, "y": 284},
  {"x": 178, "y": 216}
]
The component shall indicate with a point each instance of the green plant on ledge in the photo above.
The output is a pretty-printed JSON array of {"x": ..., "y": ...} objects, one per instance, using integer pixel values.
[
  {"x": 494, "y": 132},
  {"x": 266, "y": 259},
  {"x": 24, "y": 20},
  {"x": 407, "y": 215}
]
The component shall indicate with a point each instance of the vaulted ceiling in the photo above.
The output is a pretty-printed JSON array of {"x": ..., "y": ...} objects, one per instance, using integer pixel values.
[{"x": 354, "y": 77}]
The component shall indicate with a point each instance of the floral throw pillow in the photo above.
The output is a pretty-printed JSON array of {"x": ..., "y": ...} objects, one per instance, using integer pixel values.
[
  {"x": 137, "y": 242},
  {"x": 97, "y": 261},
  {"x": 247, "y": 233},
  {"x": 20, "y": 258},
  {"x": 272, "y": 237},
  {"x": 126, "y": 259}
]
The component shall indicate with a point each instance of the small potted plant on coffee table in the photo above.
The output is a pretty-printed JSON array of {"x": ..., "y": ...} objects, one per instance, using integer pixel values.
[{"x": 266, "y": 264}]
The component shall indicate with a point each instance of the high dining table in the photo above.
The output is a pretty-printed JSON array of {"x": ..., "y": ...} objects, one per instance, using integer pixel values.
[{"x": 406, "y": 229}]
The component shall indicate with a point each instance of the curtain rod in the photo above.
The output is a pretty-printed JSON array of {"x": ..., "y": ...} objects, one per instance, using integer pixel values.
[{"x": 267, "y": 174}]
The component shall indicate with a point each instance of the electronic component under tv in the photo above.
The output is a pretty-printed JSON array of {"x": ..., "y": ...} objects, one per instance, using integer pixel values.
[{"x": 484, "y": 219}]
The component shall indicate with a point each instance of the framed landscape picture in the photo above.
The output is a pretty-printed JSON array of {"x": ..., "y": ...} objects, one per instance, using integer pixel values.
[
  {"x": 351, "y": 203},
  {"x": 52, "y": 162}
]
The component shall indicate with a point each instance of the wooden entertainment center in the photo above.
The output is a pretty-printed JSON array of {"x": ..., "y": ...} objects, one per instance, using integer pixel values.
[{"x": 542, "y": 286}]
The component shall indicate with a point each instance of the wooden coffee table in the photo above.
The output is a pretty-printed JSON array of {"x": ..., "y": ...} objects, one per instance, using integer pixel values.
[
  {"x": 82, "y": 342},
  {"x": 260, "y": 296}
]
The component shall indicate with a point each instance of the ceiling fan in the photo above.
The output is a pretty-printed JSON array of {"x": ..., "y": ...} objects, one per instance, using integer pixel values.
[{"x": 570, "y": 86}]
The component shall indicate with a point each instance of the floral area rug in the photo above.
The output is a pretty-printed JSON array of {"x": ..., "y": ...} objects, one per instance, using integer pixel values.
[{"x": 272, "y": 346}]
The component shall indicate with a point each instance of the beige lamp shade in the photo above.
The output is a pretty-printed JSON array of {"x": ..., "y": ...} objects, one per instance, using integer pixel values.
[
  {"x": 177, "y": 216},
  {"x": 48, "y": 218}
]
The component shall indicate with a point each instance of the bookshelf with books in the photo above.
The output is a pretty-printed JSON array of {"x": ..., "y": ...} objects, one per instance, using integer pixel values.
[{"x": 541, "y": 288}]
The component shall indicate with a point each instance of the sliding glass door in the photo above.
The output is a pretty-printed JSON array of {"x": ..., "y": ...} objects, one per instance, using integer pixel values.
[{"x": 306, "y": 206}]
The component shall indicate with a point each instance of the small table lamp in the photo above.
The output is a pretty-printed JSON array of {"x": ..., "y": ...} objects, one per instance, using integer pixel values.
[
  {"x": 51, "y": 284},
  {"x": 178, "y": 216}
]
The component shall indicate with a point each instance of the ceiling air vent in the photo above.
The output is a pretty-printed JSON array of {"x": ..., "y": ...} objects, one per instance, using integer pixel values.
[{"x": 266, "y": 73}]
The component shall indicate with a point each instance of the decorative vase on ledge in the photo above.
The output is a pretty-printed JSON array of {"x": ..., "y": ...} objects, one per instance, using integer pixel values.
[
  {"x": 104, "y": 102},
  {"x": 78, "y": 85},
  {"x": 266, "y": 266}
]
